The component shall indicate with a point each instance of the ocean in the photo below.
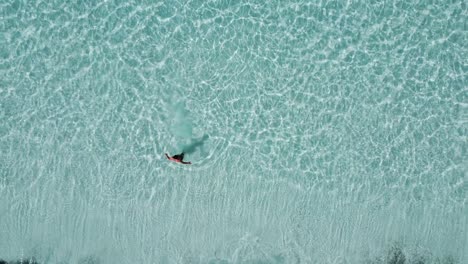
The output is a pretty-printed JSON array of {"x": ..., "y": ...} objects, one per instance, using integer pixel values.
[{"x": 318, "y": 131}]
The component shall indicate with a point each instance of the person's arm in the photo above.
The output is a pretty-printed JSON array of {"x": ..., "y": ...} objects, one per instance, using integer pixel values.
[{"x": 183, "y": 162}]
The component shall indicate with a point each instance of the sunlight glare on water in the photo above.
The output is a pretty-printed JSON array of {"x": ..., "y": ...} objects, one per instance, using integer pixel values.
[{"x": 318, "y": 131}]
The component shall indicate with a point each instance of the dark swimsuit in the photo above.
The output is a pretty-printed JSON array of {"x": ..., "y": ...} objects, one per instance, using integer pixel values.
[{"x": 179, "y": 156}]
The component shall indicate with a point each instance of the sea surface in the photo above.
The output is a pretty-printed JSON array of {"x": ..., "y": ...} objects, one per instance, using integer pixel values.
[{"x": 318, "y": 131}]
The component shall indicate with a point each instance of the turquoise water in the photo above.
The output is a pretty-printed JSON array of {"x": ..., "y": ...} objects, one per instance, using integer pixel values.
[{"x": 319, "y": 132}]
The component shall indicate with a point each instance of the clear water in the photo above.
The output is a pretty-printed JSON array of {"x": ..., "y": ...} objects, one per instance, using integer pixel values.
[{"x": 319, "y": 131}]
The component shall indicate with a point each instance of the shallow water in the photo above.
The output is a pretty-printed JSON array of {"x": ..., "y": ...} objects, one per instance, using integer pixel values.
[{"x": 319, "y": 132}]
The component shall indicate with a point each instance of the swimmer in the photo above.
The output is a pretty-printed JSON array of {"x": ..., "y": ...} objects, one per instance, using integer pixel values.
[{"x": 178, "y": 158}]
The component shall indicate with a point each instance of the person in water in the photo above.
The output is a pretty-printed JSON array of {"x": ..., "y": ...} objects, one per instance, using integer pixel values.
[{"x": 178, "y": 158}]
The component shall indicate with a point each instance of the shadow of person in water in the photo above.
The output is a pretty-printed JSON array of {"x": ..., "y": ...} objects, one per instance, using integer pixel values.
[{"x": 194, "y": 145}]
